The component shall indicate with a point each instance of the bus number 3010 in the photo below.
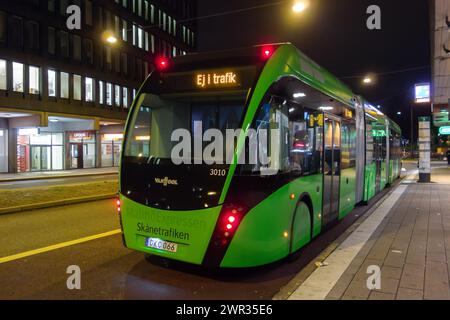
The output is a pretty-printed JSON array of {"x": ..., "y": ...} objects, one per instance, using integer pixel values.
[{"x": 218, "y": 172}]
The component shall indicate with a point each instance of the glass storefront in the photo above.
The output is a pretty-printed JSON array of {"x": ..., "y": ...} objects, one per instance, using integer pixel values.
[
  {"x": 82, "y": 149},
  {"x": 54, "y": 148},
  {"x": 3, "y": 150},
  {"x": 111, "y": 148},
  {"x": 39, "y": 151}
]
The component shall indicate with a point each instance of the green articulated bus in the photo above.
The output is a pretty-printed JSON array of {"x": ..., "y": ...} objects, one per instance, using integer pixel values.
[{"x": 326, "y": 151}]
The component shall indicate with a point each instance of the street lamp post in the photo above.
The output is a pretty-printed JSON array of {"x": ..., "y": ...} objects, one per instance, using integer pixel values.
[{"x": 300, "y": 6}]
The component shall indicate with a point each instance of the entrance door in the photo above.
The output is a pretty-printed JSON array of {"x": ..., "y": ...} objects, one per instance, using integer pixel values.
[
  {"x": 35, "y": 152},
  {"x": 40, "y": 158},
  {"x": 332, "y": 170},
  {"x": 76, "y": 155}
]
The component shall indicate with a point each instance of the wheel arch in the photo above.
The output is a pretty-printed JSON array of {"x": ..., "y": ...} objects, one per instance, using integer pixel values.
[{"x": 306, "y": 199}]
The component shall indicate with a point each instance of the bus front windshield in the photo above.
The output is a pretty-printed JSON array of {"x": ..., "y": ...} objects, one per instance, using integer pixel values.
[{"x": 156, "y": 118}]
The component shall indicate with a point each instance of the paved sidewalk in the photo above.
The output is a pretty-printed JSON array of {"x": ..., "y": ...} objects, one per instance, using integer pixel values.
[
  {"x": 411, "y": 246},
  {"x": 56, "y": 174}
]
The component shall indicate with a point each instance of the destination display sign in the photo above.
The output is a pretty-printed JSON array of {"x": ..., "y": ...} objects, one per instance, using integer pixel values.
[{"x": 240, "y": 78}]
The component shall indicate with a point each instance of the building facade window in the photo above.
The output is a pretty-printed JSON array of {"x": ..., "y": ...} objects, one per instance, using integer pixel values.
[
  {"x": 16, "y": 32},
  {"x": 124, "y": 30},
  {"x": 64, "y": 86},
  {"x": 51, "y": 5},
  {"x": 31, "y": 35},
  {"x": 51, "y": 40},
  {"x": 88, "y": 51},
  {"x": 35, "y": 80},
  {"x": 3, "y": 35},
  {"x": 89, "y": 89},
  {"x": 76, "y": 48},
  {"x": 51, "y": 74},
  {"x": 18, "y": 77},
  {"x": 3, "y": 77},
  {"x": 109, "y": 94},
  {"x": 88, "y": 12},
  {"x": 101, "y": 92},
  {"x": 125, "y": 97},
  {"x": 117, "y": 96},
  {"x": 64, "y": 44},
  {"x": 77, "y": 87},
  {"x": 140, "y": 38},
  {"x": 124, "y": 63}
]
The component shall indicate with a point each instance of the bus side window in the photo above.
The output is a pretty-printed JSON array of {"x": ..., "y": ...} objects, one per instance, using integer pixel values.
[{"x": 306, "y": 141}]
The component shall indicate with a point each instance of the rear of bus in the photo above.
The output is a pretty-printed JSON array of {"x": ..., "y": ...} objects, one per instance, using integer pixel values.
[{"x": 176, "y": 210}]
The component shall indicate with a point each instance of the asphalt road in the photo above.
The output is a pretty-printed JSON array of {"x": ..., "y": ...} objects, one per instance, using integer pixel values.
[
  {"x": 110, "y": 271},
  {"x": 55, "y": 182}
]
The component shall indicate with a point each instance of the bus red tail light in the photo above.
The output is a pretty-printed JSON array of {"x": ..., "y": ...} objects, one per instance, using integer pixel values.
[
  {"x": 231, "y": 217},
  {"x": 162, "y": 63}
]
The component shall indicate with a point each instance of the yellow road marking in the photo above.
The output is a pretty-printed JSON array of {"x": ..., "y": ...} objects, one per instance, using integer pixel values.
[{"x": 58, "y": 246}]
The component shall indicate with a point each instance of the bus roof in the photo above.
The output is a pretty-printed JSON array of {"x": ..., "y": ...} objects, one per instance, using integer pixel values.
[{"x": 300, "y": 66}]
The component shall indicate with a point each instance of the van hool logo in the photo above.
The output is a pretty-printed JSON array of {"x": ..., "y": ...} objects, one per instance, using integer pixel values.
[{"x": 166, "y": 181}]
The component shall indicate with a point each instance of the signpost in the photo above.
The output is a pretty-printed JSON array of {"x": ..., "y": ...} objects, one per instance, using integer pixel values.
[{"x": 424, "y": 150}]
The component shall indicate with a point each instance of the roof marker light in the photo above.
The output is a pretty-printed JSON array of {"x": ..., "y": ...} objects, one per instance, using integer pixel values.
[
  {"x": 162, "y": 63},
  {"x": 267, "y": 52}
]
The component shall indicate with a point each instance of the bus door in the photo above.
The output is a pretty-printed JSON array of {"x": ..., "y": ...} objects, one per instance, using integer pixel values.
[
  {"x": 378, "y": 160},
  {"x": 332, "y": 170}
]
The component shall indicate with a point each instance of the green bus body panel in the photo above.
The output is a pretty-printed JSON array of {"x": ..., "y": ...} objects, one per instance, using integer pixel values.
[
  {"x": 370, "y": 181},
  {"x": 198, "y": 224},
  {"x": 347, "y": 192},
  {"x": 260, "y": 238}
]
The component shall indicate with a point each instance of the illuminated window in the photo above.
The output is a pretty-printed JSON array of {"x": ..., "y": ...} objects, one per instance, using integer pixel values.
[
  {"x": 89, "y": 87},
  {"x": 64, "y": 87},
  {"x": 3, "y": 85},
  {"x": 101, "y": 90},
  {"x": 117, "y": 96},
  {"x": 124, "y": 30},
  {"x": 152, "y": 13},
  {"x": 125, "y": 97},
  {"x": 141, "y": 38},
  {"x": 34, "y": 74},
  {"x": 147, "y": 42},
  {"x": 77, "y": 87},
  {"x": 109, "y": 94},
  {"x": 51, "y": 74},
  {"x": 135, "y": 36},
  {"x": 18, "y": 77}
]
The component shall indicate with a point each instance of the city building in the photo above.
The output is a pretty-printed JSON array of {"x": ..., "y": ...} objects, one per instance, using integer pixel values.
[
  {"x": 65, "y": 94},
  {"x": 440, "y": 89}
]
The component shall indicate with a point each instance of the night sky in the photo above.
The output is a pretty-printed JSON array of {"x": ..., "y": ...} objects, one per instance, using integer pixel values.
[{"x": 334, "y": 34}]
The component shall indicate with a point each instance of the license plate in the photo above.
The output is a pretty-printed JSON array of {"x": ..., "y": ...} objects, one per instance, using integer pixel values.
[{"x": 161, "y": 245}]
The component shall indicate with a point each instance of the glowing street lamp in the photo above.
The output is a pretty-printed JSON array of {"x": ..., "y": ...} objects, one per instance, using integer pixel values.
[
  {"x": 367, "y": 80},
  {"x": 300, "y": 6},
  {"x": 109, "y": 37}
]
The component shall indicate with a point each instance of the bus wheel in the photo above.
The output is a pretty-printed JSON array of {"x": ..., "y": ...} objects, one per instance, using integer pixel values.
[{"x": 301, "y": 231}]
